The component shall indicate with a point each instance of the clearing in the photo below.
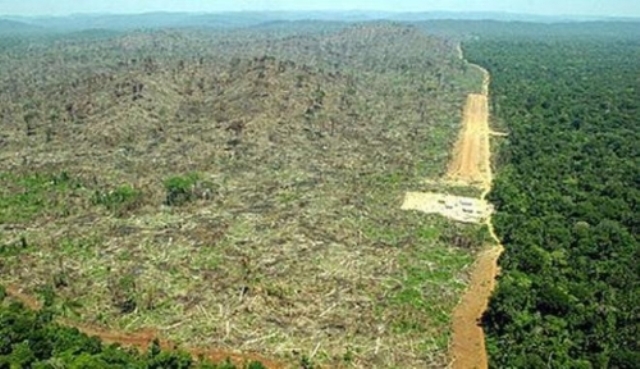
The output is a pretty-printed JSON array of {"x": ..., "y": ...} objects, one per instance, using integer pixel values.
[
  {"x": 470, "y": 166},
  {"x": 458, "y": 208},
  {"x": 238, "y": 192}
]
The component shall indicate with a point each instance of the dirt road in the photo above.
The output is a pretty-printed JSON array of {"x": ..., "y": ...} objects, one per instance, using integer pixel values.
[
  {"x": 472, "y": 165},
  {"x": 468, "y": 349},
  {"x": 471, "y": 153}
]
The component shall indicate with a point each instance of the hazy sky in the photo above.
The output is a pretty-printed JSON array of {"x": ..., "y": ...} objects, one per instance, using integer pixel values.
[{"x": 562, "y": 7}]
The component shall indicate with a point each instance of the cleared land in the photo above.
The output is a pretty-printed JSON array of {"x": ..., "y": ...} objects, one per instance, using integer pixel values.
[
  {"x": 470, "y": 166},
  {"x": 458, "y": 208},
  {"x": 238, "y": 191}
]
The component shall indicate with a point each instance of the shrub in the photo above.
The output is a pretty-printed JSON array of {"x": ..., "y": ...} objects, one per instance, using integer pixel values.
[
  {"x": 180, "y": 189},
  {"x": 121, "y": 200},
  {"x": 25, "y": 196}
]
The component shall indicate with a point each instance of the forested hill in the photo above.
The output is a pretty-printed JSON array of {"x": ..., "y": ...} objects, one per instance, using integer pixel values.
[
  {"x": 567, "y": 202},
  {"x": 9, "y": 27},
  {"x": 460, "y": 23},
  {"x": 495, "y": 30}
]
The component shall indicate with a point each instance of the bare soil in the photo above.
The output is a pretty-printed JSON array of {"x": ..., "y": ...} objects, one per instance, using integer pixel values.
[
  {"x": 458, "y": 208},
  {"x": 468, "y": 347},
  {"x": 470, "y": 162}
]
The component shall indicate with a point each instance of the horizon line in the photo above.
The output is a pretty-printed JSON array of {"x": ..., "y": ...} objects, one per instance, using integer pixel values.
[{"x": 327, "y": 11}]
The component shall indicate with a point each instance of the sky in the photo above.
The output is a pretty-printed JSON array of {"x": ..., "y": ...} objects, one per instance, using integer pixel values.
[{"x": 626, "y": 8}]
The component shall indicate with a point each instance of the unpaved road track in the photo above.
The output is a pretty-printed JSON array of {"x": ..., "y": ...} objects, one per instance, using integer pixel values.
[
  {"x": 472, "y": 165},
  {"x": 468, "y": 349}
]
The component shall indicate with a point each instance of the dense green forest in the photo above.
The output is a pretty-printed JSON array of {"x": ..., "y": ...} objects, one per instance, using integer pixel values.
[{"x": 567, "y": 202}]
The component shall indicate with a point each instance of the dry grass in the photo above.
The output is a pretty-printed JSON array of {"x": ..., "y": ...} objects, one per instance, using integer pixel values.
[{"x": 294, "y": 244}]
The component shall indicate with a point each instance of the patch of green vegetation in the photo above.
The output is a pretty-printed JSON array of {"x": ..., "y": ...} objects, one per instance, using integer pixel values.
[
  {"x": 426, "y": 233},
  {"x": 34, "y": 340},
  {"x": 79, "y": 247},
  {"x": 14, "y": 248},
  {"x": 289, "y": 197},
  {"x": 26, "y": 196},
  {"x": 121, "y": 200},
  {"x": 429, "y": 271},
  {"x": 180, "y": 189}
]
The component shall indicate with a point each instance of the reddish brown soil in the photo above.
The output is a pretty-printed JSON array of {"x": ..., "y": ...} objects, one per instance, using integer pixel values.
[
  {"x": 28, "y": 301},
  {"x": 468, "y": 347},
  {"x": 142, "y": 339}
]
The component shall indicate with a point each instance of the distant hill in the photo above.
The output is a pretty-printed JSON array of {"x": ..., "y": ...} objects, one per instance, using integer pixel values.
[
  {"x": 496, "y": 29},
  {"x": 498, "y": 16},
  {"x": 122, "y": 22},
  {"x": 248, "y": 19},
  {"x": 11, "y": 26}
]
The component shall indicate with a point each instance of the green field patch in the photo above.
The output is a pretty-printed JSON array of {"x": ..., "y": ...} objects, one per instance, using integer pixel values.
[
  {"x": 430, "y": 283},
  {"x": 119, "y": 200},
  {"x": 24, "y": 197}
]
